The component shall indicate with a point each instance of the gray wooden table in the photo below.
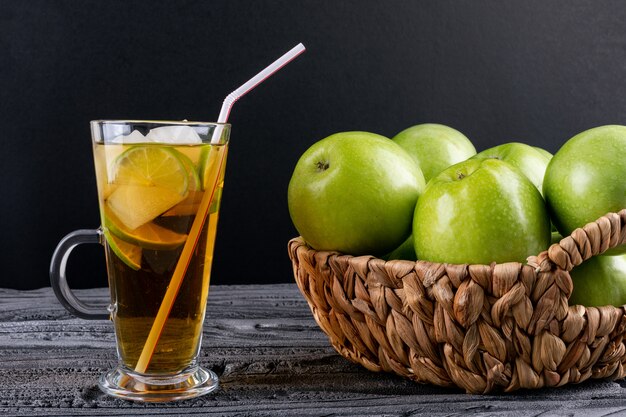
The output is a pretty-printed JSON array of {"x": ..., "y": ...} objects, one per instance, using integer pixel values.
[{"x": 271, "y": 358}]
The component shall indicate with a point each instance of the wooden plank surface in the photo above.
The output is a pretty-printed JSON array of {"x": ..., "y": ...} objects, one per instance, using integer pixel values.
[{"x": 269, "y": 353}]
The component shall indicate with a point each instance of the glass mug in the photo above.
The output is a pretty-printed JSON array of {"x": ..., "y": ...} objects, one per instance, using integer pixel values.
[{"x": 159, "y": 190}]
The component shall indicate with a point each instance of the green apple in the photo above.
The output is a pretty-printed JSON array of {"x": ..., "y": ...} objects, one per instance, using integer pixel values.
[
  {"x": 600, "y": 281},
  {"x": 524, "y": 157},
  {"x": 435, "y": 147},
  {"x": 354, "y": 192},
  {"x": 556, "y": 237},
  {"x": 586, "y": 178},
  {"x": 478, "y": 212},
  {"x": 544, "y": 152},
  {"x": 405, "y": 251}
]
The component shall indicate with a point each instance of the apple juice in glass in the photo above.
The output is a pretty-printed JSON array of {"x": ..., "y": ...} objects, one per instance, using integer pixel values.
[
  {"x": 149, "y": 195},
  {"x": 159, "y": 190}
]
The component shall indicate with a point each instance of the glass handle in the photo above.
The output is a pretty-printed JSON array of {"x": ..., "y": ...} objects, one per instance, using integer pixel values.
[{"x": 58, "y": 278}]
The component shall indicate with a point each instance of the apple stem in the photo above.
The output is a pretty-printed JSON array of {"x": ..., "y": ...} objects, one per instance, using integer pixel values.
[{"x": 322, "y": 166}]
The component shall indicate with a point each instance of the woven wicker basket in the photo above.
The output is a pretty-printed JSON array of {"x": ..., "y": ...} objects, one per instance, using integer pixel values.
[{"x": 479, "y": 327}]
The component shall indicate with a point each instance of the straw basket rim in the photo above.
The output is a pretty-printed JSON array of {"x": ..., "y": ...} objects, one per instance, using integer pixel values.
[{"x": 483, "y": 328}]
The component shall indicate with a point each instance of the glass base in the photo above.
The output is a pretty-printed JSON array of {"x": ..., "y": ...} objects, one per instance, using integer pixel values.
[{"x": 123, "y": 383}]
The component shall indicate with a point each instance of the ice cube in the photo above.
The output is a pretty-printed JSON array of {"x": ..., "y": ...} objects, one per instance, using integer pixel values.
[
  {"x": 134, "y": 137},
  {"x": 174, "y": 134}
]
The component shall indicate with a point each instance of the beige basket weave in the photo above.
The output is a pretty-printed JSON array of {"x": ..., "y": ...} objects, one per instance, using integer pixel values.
[{"x": 479, "y": 327}]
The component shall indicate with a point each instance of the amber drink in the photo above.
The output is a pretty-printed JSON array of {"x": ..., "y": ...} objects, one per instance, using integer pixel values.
[
  {"x": 159, "y": 191},
  {"x": 149, "y": 196}
]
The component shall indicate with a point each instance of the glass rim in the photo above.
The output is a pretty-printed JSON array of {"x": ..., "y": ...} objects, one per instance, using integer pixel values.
[{"x": 158, "y": 122}]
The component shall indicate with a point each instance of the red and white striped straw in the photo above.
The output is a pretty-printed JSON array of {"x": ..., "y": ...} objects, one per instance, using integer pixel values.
[{"x": 253, "y": 82}]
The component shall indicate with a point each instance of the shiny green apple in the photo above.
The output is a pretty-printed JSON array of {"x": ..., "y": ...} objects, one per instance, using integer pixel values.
[
  {"x": 354, "y": 192},
  {"x": 435, "y": 147},
  {"x": 586, "y": 178},
  {"x": 528, "y": 159},
  {"x": 478, "y": 212},
  {"x": 600, "y": 281}
]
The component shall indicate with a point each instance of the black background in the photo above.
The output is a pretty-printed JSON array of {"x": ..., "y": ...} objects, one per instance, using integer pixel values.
[{"x": 530, "y": 71}]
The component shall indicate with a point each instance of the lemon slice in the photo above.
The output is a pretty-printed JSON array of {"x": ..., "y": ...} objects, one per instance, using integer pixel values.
[
  {"x": 210, "y": 158},
  {"x": 147, "y": 236},
  {"x": 150, "y": 180},
  {"x": 128, "y": 253},
  {"x": 194, "y": 178},
  {"x": 151, "y": 166}
]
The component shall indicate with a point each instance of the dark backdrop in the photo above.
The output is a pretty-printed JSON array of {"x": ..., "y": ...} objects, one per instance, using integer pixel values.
[{"x": 532, "y": 71}]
